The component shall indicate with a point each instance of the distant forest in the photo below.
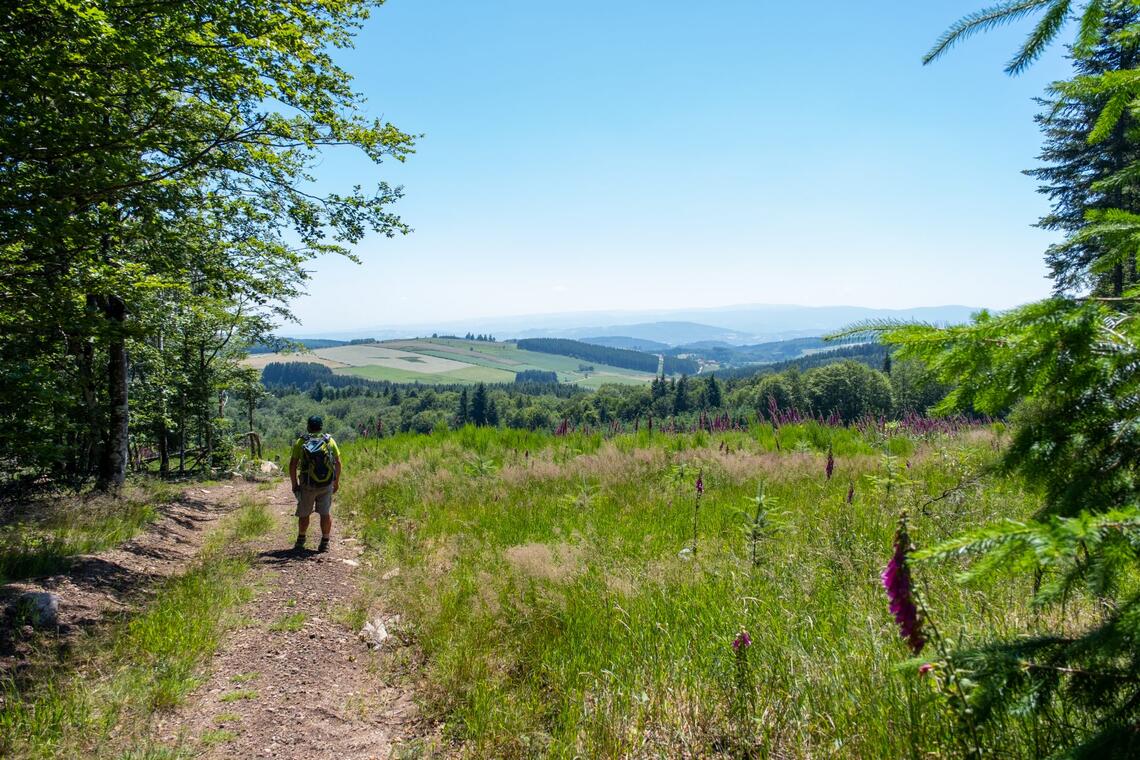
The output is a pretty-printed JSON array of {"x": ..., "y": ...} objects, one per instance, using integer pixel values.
[
  {"x": 615, "y": 357},
  {"x": 873, "y": 355},
  {"x": 307, "y": 344},
  {"x": 536, "y": 376}
]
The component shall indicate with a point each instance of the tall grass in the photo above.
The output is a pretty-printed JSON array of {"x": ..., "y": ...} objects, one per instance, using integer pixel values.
[
  {"x": 98, "y": 702},
  {"x": 560, "y": 615},
  {"x": 49, "y": 532}
]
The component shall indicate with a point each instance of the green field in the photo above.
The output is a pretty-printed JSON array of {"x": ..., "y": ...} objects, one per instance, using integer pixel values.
[
  {"x": 435, "y": 361},
  {"x": 561, "y": 610}
]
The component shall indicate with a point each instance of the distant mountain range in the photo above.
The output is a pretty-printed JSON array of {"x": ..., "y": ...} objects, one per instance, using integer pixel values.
[{"x": 649, "y": 330}]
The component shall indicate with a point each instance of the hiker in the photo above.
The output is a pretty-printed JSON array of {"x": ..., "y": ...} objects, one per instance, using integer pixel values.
[{"x": 317, "y": 458}]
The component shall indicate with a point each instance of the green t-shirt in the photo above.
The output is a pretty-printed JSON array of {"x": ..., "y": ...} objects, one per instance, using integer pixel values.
[{"x": 297, "y": 455}]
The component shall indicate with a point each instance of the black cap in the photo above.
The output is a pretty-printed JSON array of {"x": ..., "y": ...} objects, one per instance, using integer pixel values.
[{"x": 315, "y": 423}]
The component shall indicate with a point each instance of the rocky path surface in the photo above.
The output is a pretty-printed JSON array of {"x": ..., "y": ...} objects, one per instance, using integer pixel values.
[{"x": 297, "y": 680}]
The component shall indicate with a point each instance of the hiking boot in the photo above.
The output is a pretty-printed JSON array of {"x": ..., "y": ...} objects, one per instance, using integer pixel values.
[
  {"x": 300, "y": 544},
  {"x": 323, "y": 546}
]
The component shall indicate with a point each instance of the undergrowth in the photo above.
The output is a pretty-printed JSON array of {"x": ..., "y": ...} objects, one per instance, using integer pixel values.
[{"x": 43, "y": 535}]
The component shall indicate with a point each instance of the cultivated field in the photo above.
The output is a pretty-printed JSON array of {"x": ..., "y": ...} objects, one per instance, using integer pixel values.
[
  {"x": 438, "y": 360},
  {"x": 574, "y": 597}
]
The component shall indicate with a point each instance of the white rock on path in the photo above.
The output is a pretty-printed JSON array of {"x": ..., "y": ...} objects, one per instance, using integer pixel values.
[
  {"x": 42, "y": 608},
  {"x": 374, "y": 633}
]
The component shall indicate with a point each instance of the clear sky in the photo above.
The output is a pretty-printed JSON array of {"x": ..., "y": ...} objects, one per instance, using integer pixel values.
[{"x": 622, "y": 154}]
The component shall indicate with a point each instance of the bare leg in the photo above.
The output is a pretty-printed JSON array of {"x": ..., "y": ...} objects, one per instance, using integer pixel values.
[
  {"x": 326, "y": 525},
  {"x": 303, "y": 525}
]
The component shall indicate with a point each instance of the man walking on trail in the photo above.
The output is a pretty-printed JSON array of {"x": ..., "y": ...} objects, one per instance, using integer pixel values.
[{"x": 314, "y": 468}]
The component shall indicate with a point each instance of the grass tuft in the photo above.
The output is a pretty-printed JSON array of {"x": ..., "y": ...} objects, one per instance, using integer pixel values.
[
  {"x": 290, "y": 623},
  {"x": 214, "y": 736},
  {"x": 238, "y": 695},
  {"x": 43, "y": 537}
]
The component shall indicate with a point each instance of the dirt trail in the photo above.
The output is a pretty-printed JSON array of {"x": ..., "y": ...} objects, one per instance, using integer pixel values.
[
  {"x": 296, "y": 681},
  {"x": 98, "y": 586}
]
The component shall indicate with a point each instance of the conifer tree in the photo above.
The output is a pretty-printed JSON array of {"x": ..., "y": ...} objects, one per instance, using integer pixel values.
[
  {"x": 1077, "y": 175},
  {"x": 712, "y": 393},
  {"x": 1068, "y": 366},
  {"x": 479, "y": 405},
  {"x": 681, "y": 395},
  {"x": 462, "y": 414}
]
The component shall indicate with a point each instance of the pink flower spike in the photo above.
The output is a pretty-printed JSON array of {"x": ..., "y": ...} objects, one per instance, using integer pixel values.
[
  {"x": 900, "y": 597},
  {"x": 925, "y": 668},
  {"x": 700, "y": 484},
  {"x": 742, "y": 641}
]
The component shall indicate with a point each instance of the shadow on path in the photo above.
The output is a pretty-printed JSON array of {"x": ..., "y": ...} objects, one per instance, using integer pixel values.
[{"x": 285, "y": 556}]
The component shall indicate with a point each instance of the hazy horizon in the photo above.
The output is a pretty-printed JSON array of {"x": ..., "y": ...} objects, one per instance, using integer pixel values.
[{"x": 713, "y": 316}]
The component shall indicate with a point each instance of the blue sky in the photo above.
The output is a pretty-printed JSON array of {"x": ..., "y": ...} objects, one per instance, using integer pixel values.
[{"x": 637, "y": 155}]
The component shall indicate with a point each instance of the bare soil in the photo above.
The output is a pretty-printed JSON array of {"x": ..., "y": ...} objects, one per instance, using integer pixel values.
[{"x": 298, "y": 680}]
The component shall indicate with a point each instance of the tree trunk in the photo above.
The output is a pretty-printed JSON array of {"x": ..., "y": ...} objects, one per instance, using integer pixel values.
[
  {"x": 88, "y": 431},
  {"x": 249, "y": 413},
  {"x": 160, "y": 436},
  {"x": 114, "y": 466}
]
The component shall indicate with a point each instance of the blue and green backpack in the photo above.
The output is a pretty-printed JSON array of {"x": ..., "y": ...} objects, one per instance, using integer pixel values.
[{"x": 318, "y": 465}]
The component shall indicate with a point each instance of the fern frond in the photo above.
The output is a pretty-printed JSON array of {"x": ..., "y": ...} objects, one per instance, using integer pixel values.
[
  {"x": 1109, "y": 117},
  {"x": 983, "y": 20},
  {"x": 1091, "y": 31},
  {"x": 1039, "y": 39}
]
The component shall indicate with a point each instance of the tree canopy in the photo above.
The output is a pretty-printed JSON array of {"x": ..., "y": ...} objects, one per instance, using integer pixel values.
[{"x": 157, "y": 200}]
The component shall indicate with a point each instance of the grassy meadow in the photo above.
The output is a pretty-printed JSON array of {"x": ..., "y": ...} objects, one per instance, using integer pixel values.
[
  {"x": 554, "y": 589},
  {"x": 434, "y": 361}
]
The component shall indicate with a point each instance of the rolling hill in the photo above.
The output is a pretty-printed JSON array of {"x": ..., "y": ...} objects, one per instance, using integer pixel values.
[{"x": 434, "y": 361}]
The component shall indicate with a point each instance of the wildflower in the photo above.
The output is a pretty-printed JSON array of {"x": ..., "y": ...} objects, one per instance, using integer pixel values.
[
  {"x": 850, "y": 492},
  {"x": 896, "y": 581},
  {"x": 700, "y": 484},
  {"x": 742, "y": 641},
  {"x": 925, "y": 668},
  {"x": 830, "y": 463}
]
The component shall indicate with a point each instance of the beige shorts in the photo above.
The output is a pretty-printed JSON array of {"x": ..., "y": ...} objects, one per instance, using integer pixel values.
[{"x": 319, "y": 498}]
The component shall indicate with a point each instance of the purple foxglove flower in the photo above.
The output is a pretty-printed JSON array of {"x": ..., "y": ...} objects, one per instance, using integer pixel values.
[
  {"x": 850, "y": 492},
  {"x": 830, "y": 463},
  {"x": 900, "y": 597},
  {"x": 742, "y": 641},
  {"x": 700, "y": 484}
]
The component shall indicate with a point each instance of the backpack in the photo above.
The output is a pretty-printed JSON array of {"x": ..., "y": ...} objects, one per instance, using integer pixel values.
[{"x": 317, "y": 462}]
